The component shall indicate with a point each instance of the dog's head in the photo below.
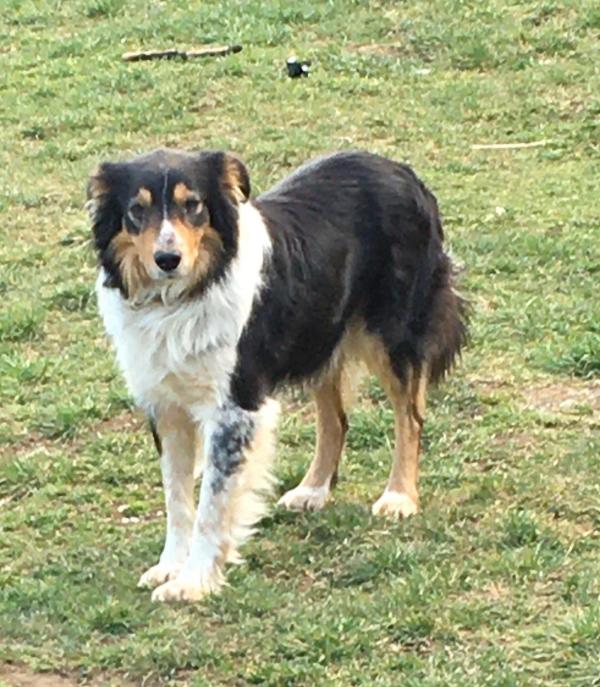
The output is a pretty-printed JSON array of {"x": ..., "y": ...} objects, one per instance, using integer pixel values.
[{"x": 166, "y": 219}]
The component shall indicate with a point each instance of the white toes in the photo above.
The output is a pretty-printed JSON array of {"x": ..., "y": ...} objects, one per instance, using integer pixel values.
[
  {"x": 158, "y": 574},
  {"x": 188, "y": 587},
  {"x": 174, "y": 590},
  {"x": 305, "y": 498},
  {"x": 395, "y": 504}
]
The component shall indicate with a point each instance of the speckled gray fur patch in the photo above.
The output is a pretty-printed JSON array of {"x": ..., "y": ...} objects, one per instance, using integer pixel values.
[{"x": 231, "y": 437}]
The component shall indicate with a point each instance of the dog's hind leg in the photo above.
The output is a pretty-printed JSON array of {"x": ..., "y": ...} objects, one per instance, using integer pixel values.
[
  {"x": 178, "y": 442},
  {"x": 312, "y": 493},
  {"x": 401, "y": 496}
]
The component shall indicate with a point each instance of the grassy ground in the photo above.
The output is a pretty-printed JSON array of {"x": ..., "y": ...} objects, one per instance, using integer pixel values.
[{"x": 496, "y": 582}]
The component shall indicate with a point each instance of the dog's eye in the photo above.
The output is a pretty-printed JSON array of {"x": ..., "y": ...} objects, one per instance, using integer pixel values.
[
  {"x": 193, "y": 206},
  {"x": 136, "y": 212}
]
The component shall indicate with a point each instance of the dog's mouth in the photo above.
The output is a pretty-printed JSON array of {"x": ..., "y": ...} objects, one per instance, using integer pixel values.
[{"x": 158, "y": 278}]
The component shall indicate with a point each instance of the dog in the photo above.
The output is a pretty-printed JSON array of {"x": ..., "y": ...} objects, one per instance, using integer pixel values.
[{"x": 214, "y": 300}]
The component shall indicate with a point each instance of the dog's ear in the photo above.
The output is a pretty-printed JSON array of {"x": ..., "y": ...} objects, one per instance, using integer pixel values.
[
  {"x": 228, "y": 173},
  {"x": 106, "y": 214},
  {"x": 228, "y": 185},
  {"x": 102, "y": 201},
  {"x": 235, "y": 177}
]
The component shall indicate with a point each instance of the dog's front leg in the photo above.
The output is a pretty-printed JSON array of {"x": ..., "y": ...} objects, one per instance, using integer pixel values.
[
  {"x": 238, "y": 446},
  {"x": 177, "y": 437}
]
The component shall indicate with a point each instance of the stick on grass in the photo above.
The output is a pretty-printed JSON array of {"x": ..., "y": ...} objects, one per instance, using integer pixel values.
[
  {"x": 507, "y": 146},
  {"x": 170, "y": 53}
]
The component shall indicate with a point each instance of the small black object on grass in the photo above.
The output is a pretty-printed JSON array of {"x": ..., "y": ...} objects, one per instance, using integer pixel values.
[{"x": 297, "y": 68}]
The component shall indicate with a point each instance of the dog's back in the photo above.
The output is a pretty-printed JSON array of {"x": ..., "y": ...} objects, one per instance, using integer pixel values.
[{"x": 357, "y": 239}]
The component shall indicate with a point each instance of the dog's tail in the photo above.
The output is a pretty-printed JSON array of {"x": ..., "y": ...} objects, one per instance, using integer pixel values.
[
  {"x": 447, "y": 331},
  {"x": 424, "y": 320}
]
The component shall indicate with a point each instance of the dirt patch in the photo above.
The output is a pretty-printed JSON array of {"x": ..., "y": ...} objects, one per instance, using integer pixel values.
[
  {"x": 16, "y": 676},
  {"x": 20, "y": 676},
  {"x": 493, "y": 592},
  {"x": 32, "y": 442},
  {"x": 570, "y": 397},
  {"x": 520, "y": 442},
  {"x": 127, "y": 421}
]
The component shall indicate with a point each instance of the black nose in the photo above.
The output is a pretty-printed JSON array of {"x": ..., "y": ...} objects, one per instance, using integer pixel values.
[{"x": 167, "y": 261}]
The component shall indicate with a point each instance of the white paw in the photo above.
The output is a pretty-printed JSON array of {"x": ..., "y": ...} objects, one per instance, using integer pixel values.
[
  {"x": 305, "y": 498},
  {"x": 158, "y": 574},
  {"x": 189, "y": 588},
  {"x": 395, "y": 504}
]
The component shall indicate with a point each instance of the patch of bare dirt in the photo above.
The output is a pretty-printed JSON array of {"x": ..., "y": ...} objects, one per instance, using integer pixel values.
[
  {"x": 572, "y": 397},
  {"x": 127, "y": 421},
  {"x": 520, "y": 444},
  {"x": 31, "y": 442},
  {"x": 492, "y": 592},
  {"x": 20, "y": 676}
]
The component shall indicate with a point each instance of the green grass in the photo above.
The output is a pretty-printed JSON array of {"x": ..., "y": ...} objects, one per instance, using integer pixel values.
[{"x": 496, "y": 581}]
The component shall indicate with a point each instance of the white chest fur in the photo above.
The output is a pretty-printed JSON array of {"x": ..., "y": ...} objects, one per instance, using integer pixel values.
[{"x": 184, "y": 352}]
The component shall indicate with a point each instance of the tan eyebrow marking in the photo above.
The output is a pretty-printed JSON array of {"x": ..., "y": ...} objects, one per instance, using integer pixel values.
[
  {"x": 181, "y": 193},
  {"x": 144, "y": 197}
]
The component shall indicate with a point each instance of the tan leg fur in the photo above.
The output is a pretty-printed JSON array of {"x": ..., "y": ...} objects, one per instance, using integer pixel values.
[
  {"x": 314, "y": 490},
  {"x": 401, "y": 496}
]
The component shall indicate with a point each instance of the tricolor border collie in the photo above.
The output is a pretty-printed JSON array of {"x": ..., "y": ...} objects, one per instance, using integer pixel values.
[{"x": 214, "y": 300}]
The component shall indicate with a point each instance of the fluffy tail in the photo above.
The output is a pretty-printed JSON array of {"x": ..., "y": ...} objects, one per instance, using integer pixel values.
[
  {"x": 446, "y": 333},
  {"x": 422, "y": 318}
]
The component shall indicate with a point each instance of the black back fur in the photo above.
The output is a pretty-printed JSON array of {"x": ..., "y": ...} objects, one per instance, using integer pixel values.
[{"x": 355, "y": 237}]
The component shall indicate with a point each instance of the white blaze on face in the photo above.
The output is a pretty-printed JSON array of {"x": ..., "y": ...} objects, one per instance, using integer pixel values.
[{"x": 167, "y": 237}]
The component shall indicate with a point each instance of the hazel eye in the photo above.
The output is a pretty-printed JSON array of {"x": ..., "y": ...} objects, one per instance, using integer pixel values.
[{"x": 193, "y": 206}]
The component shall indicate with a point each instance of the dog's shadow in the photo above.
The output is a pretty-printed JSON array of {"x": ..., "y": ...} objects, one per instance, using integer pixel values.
[{"x": 340, "y": 546}]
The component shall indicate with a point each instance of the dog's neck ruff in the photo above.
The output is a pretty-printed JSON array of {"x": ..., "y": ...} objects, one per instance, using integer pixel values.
[{"x": 196, "y": 336}]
